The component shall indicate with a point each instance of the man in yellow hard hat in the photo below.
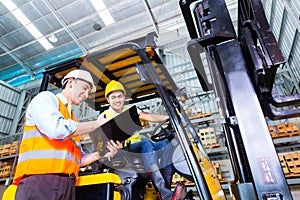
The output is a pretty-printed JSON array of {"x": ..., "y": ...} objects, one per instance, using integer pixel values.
[
  {"x": 50, "y": 153},
  {"x": 160, "y": 172}
]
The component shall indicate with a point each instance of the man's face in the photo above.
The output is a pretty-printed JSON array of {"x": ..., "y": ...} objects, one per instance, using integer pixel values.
[
  {"x": 81, "y": 90},
  {"x": 116, "y": 100}
]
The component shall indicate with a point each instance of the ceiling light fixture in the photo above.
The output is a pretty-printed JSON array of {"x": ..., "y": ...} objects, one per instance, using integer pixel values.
[
  {"x": 21, "y": 17},
  {"x": 52, "y": 38},
  {"x": 103, "y": 12}
]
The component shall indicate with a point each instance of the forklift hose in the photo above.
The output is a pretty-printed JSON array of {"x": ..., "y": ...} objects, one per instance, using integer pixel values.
[{"x": 123, "y": 191}]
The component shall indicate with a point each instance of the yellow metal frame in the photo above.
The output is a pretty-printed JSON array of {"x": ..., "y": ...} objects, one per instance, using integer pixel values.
[
  {"x": 98, "y": 179},
  {"x": 210, "y": 175}
]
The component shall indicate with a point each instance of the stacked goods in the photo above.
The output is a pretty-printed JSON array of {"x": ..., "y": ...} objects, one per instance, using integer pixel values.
[
  {"x": 217, "y": 169},
  {"x": 5, "y": 150},
  {"x": 292, "y": 161},
  {"x": 283, "y": 164},
  {"x": 5, "y": 169},
  {"x": 196, "y": 113},
  {"x": 9, "y": 149},
  {"x": 200, "y": 115},
  {"x": 13, "y": 148},
  {"x": 290, "y": 164},
  {"x": 187, "y": 111},
  {"x": 272, "y": 131},
  {"x": 284, "y": 130},
  {"x": 208, "y": 137}
]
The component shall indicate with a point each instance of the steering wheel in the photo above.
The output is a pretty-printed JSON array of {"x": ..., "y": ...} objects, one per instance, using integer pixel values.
[{"x": 161, "y": 133}]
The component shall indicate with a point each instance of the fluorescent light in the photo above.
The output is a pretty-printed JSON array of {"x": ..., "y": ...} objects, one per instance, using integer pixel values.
[
  {"x": 98, "y": 5},
  {"x": 9, "y": 5},
  {"x": 103, "y": 12},
  {"x": 21, "y": 17},
  {"x": 106, "y": 17},
  {"x": 45, "y": 43},
  {"x": 38, "y": 35}
]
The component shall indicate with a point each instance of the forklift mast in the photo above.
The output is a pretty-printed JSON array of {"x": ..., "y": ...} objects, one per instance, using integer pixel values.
[{"x": 243, "y": 70}]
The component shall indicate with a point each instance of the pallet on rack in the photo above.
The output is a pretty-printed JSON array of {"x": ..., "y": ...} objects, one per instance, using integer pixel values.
[
  {"x": 5, "y": 150},
  {"x": 217, "y": 168},
  {"x": 292, "y": 175},
  {"x": 284, "y": 130},
  {"x": 292, "y": 129},
  {"x": 272, "y": 131},
  {"x": 293, "y": 162},
  {"x": 13, "y": 148},
  {"x": 5, "y": 169},
  {"x": 208, "y": 137},
  {"x": 283, "y": 164},
  {"x": 211, "y": 146},
  {"x": 200, "y": 115}
]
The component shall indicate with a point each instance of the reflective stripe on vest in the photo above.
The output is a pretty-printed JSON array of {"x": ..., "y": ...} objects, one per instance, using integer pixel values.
[
  {"x": 135, "y": 137},
  {"x": 40, "y": 155}
]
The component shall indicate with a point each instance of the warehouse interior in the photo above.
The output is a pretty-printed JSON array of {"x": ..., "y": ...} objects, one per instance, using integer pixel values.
[{"x": 37, "y": 36}]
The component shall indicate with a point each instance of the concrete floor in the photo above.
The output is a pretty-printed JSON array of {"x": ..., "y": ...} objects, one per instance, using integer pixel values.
[{"x": 2, "y": 189}]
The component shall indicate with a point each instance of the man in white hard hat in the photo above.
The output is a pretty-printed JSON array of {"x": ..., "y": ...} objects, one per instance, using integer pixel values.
[
  {"x": 50, "y": 153},
  {"x": 80, "y": 75}
]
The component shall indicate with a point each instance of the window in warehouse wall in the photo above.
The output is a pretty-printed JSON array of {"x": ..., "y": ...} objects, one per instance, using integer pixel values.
[
  {"x": 294, "y": 62},
  {"x": 267, "y": 4},
  {"x": 284, "y": 21},
  {"x": 277, "y": 13},
  {"x": 287, "y": 35},
  {"x": 295, "y": 5}
]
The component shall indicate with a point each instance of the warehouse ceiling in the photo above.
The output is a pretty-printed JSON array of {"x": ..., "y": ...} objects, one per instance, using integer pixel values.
[{"x": 35, "y": 34}]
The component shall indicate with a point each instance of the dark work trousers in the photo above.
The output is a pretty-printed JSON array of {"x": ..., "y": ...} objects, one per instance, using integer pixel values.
[{"x": 46, "y": 187}]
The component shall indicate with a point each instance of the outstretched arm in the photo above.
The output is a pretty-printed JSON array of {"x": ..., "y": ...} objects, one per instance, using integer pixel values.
[
  {"x": 152, "y": 117},
  {"x": 87, "y": 127}
]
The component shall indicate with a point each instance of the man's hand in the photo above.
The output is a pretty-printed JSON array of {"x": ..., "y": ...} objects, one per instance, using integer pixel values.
[
  {"x": 113, "y": 148},
  {"x": 101, "y": 121}
]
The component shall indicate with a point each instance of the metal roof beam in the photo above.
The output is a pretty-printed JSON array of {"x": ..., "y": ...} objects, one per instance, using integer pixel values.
[
  {"x": 154, "y": 22},
  {"x": 18, "y": 60},
  {"x": 61, "y": 21}
]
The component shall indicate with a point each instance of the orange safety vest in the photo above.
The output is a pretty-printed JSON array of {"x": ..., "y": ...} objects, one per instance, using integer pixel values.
[{"x": 40, "y": 155}]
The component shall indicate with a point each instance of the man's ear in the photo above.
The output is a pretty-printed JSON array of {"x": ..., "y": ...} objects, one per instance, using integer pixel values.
[{"x": 70, "y": 82}]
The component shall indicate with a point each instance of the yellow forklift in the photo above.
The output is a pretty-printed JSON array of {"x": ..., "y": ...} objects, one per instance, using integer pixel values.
[{"x": 138, "y": 67}]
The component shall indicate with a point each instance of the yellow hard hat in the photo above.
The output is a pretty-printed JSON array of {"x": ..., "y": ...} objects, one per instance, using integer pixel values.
[
  {"x": 80, "y": 74},
  {"x": 114, "y": 86}
]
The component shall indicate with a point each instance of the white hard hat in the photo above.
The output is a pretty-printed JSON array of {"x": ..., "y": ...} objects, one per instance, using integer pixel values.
[{"x": 80, "y": 74}]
